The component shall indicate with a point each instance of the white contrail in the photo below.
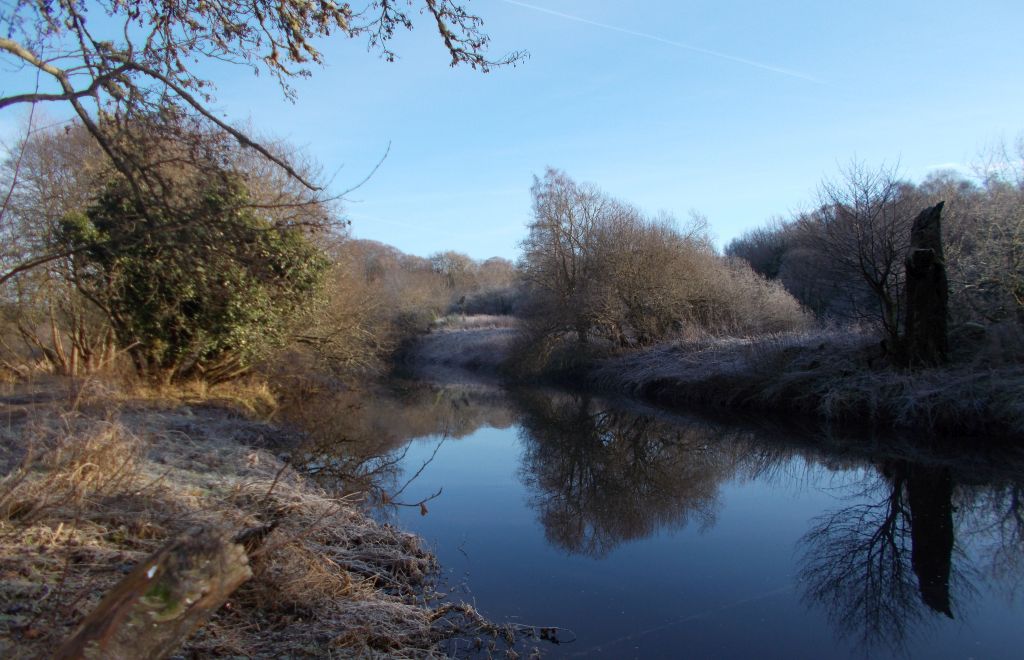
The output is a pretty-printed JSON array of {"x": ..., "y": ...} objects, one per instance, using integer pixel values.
[{"x": 678, "y": 44}]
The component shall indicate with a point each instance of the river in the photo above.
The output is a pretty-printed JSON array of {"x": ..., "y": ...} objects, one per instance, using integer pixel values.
[{"x": 640, "y": 534}]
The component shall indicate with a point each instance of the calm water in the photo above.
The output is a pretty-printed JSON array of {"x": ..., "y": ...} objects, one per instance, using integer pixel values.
[{"x": 644, "y": 536}]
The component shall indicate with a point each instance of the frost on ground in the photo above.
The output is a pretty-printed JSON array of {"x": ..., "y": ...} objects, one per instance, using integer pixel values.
[
  {"x": 831, "y": 374},
  {"x": 476, "y": 344},
  {"x": 93, "y": 488}
]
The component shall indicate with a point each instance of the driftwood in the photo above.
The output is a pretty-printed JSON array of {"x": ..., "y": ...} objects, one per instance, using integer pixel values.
[
  {"x": 160, "y": 603},
  {"x": 925, "y": 342}
]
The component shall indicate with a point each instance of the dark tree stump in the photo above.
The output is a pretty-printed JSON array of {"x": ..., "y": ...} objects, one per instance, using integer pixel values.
[
  {"x": 160, "y": 603},
  {"x": 926, "y": 343}
]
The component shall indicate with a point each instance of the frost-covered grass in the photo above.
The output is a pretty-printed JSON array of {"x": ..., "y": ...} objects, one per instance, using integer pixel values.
[
  {"x": 457, "y": 322},
  {"x": 835, "y": 373},
  {"x": 838, "y": 374},
  {"x": 471, "y": 343},
  {"x": 91, "y": 488},
  {"x": 700, "y": 359}
]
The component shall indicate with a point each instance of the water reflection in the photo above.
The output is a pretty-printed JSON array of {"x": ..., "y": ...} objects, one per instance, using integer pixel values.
[
  {"x": 883, "y": 566},
  {"x": 355, "y": 441},
  {"x": 880, "y": 564},
  {"x": 994, "y": 514},
  {"x": 599, "y": 476},
  {"x": 913, "y": 539}
]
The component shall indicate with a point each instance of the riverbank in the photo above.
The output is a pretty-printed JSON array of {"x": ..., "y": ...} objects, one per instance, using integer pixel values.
[
  {"x": 835, "y": 376},
  {"x": 459, "y": 346},
  {"x": 97, "y": 479}
]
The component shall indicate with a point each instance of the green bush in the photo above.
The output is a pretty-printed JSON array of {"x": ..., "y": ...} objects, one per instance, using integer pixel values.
[{"x": 200, "y": 287}]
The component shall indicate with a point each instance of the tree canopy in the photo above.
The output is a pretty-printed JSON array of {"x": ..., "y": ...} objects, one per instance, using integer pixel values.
[
  {"x": 141, "y": 53},
  {"x": 125, "y": 63}
]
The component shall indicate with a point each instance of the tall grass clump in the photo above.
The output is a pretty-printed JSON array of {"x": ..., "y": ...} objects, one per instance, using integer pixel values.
[{"x": 63, "y": 470}]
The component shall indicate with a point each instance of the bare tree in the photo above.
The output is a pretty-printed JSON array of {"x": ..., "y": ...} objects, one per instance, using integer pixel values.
[
  {"x": 764, "y": 248},
  {"x": 457, "y": 269},
  {"x": 999, "y": 264},
  {"x": 862, "y": 229},
  {"x": 346, "y": 325},
  {"x": 496, "y": 272},
  {"x": 656, "y": 275},
  {"x": 598, "y": 266},
  {"x": 557, "y": 252},
  {"x": 50, "y": 174}
]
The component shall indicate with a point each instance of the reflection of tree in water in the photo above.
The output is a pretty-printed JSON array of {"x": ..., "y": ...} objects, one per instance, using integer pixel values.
[
  {"x": 600, "y": 477},
  {"x": 880, "y": 568},
  {"x": 995, "y": 516},
  {"x": 356, "y": 441}
]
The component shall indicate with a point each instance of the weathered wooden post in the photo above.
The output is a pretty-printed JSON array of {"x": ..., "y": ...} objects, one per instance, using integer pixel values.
[
  {"x": 160, "y": 603},
  {"x": 925, "y": 342}
]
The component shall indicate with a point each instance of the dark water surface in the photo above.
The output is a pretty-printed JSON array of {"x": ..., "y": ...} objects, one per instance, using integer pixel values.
[{"x": 647, "y": 536}]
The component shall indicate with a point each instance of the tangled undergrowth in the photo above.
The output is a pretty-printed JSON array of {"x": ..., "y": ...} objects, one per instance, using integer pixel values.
[{"x": 92, "y": 490}]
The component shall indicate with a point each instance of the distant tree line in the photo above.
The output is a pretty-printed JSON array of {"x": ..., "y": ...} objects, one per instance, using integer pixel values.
[
  {"x": 375, "y": 296},
  {"x": 845, "y": 258}
]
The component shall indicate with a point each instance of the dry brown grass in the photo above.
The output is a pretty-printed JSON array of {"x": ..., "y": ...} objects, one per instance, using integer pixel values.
[
  {"x": 251, "y": 396},
  {"x": 65, "y": 469},
  {"x": 86, "y": 496}
]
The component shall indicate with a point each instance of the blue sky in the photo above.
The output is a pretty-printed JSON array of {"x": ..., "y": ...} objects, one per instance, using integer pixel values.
[{"x": 734, "y": 109}]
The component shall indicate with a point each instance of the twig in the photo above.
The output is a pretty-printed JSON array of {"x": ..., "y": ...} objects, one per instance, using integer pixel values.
[
  {"x": 422, "y": 467},
  {"x": 270, "y": 490},
  {"x": 421, "y": 502},
  {"x": 21, "y": 156}
]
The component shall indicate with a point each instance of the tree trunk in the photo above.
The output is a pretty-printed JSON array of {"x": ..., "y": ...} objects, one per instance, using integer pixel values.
[
  {"x": 159, "y": 604},
  {"x": 926, "y": 342}
]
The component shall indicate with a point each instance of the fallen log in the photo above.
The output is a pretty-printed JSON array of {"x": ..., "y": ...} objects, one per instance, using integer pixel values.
[{"x": 154, "y": 609}]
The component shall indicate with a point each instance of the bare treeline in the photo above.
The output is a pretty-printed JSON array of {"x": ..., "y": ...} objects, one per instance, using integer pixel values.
[
  {"x": 845, "y": 258},
  {"x": 599, "y": 268}
]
